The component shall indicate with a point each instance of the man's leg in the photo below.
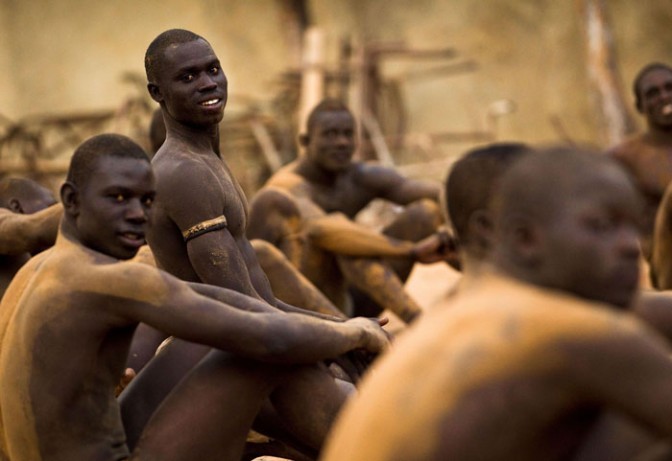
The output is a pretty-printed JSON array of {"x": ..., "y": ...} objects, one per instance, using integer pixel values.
[
  {"x": 210, "y": 412},
  {"x": 288, "y": 284},
  {"x": 379, "y": 284}
]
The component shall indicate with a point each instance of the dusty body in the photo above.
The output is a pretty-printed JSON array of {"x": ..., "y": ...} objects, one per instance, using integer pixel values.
[
  {"x": 514, "y": 357},
  {"x": 198, "y": 235},
  {"x": 307, "y": 209},
  {"x": 67, "y": 321}
]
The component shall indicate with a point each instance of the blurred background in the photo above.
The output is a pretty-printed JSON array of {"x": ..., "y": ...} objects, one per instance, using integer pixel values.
[{"x": 426, "y": 79}]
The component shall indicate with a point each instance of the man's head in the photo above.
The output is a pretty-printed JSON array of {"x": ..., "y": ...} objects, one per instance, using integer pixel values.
[
  {"x": 469, "y": 189},
  {"x": 569, "y": 220},
  {"x": 330, "y": 137},
  {"x": 22, "y": 195},
  {"x": 184, "y": 76},
  {"x": 108, "y": 195},
  {"x": 653, "y": 94}
]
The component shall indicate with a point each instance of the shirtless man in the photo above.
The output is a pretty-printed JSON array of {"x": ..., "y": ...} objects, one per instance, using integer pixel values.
[
  {"x": 534, "y": 350},
  {"x": 307, "y": 209},
  {"x": 68, "y": 317},
  {"x": 648, "y": 156},
  {"x": 29, "y": 219},
  {"x": 198, "y": 232}
]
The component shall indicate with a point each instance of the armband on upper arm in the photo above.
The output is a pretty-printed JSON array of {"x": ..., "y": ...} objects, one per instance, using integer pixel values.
[{"x": 204, "y": 227}]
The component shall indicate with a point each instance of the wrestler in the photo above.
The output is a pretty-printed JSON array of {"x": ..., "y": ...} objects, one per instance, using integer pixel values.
[
  {"x": 29, "y": 219},
  {"x": 68, "y": 317},
  {"x": 198, "y": 232},
  {"x": 646, "y": 155},
  {"x": 537, "y": 347},
  {"x": 307, "y": 209}
]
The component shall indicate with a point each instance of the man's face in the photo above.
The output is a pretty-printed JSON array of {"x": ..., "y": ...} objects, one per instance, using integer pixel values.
[
  {"x": 592, "y": 242},
  {"x": 331, "y": 142},
  {"x": 655, "y": 95},
  {"x": 192, "y": 85},
  {"x": 114, "y": 206}
]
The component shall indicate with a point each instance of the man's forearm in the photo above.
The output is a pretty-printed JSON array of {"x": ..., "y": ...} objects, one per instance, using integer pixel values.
[
  {"x": 29, "y": 233},
  {"x": 339, "y": 235},
  {"x": 232, "y": 297}
]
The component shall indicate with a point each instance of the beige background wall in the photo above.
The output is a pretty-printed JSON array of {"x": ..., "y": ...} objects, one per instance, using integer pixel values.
[{"x": 69, "y": 55}]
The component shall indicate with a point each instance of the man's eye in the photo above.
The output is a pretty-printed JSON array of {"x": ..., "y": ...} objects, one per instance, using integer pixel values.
[
  {"x": 214, "y": 70},
  {"x": 187, "y": 77},
  {"x": 148, "y": 201},
  {"x": 119, "y": 198}
]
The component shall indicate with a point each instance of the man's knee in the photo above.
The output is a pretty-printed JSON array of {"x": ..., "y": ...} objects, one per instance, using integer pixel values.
[
  {"x": 418, "y": 220},
  {"x": 268, "y": 254},
  {"x": 273, "y": 213}
]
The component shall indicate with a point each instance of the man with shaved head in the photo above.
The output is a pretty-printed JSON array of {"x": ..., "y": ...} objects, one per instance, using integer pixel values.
[
  {"x": 537, "y": 347},
  {"x": 647, "y": 155},
  {"x": 198, "y": 235},
  {"x": 29, "y": 219},
  {"x": 68, "y": 318}
]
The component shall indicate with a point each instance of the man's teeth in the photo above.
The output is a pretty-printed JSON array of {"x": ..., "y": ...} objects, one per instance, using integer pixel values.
[
  {"x": 667, "y": 110},
  {"x": 210, "y": 102},
  {"x": 132, "y": 236}
]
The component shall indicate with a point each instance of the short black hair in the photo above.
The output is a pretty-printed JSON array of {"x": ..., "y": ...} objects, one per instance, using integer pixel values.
[
  {"x": 537, "y": 184},
  {"x": 472, "y": 180},
  {"x": 156, "y": 49},
  {"x": 83, "y": 162},
  {"x": 15, "y": 187},
  {"x": 640, "y": 76},
  {"x": 326, "y": 105}
]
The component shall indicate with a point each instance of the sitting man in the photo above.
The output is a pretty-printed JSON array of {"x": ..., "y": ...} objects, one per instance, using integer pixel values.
[
  {"x": 647, "y": 155},
  {"x": 198, "y": 232},
  {"x": 29, "y": 218},
  {"x": 536, "y": 347},
  {"x": 307, "y": 209},
  {"x": 68, "y": 317}
]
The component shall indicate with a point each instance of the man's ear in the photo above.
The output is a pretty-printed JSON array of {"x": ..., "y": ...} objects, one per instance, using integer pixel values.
[
  {"x": 155, "y": 92},
  {"x": 15, "y": 205},
  {"x": 70, "y": 198},
  {"x": 481, "y": 231},
  {"x": 526, "y": 239}
]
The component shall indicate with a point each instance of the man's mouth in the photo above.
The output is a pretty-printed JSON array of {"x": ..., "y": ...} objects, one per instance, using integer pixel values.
[
  {"x": 666, "y": 109},
  {"x": 211, "y": 102},
  {"x": 134, "y": 239}
]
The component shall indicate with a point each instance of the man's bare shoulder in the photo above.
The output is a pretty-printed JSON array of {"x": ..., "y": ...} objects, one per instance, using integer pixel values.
[
  {"x": 289, "y": 180},
  {"x": 629, "y": 147}
]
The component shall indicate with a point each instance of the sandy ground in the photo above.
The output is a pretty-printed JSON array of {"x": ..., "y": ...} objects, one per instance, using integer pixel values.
[{"x": 427, "y": 284}]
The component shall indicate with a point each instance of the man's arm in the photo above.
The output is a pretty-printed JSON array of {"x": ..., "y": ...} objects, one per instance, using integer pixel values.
[
  {"x": 170, "y": 305},
  {"x": 387, "y": 184},
  {"x": 21, "y": 233}
]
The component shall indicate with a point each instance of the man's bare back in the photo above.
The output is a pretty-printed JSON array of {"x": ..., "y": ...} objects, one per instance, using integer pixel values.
[{"x": 512, "y": 356}]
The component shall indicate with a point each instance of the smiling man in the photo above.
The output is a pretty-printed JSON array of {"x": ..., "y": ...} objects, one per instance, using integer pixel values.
[
  {"x": 308, "y": 209},
  {"x": 198, "y": 235},
  {"x": 647, "y": 155},
  {"x": 68, "y": 318}
]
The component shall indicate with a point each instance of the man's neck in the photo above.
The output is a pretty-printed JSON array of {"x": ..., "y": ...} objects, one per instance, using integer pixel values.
[
  {"x": 200, "y": 138},
  {"x": 315, "y": 174},
  {"x": 659, "y": 134}
]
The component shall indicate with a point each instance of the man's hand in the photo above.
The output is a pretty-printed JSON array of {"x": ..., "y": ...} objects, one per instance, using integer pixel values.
[
  {"x": 375, "y": 338},
  {"x": 440, "y": 246}
]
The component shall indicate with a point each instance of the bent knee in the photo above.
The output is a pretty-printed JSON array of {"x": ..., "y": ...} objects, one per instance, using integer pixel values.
[
  {"x": 275, "y": 200},
  {"x": 266, "y": 252}
]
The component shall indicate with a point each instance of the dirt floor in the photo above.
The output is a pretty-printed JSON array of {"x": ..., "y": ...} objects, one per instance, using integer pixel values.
[{"x": 427, "y": 284}]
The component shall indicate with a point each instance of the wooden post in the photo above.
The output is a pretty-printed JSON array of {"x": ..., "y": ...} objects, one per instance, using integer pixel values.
[
  {"x": 603, "y": 72},
  {"x": 312, "y": 79}
]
